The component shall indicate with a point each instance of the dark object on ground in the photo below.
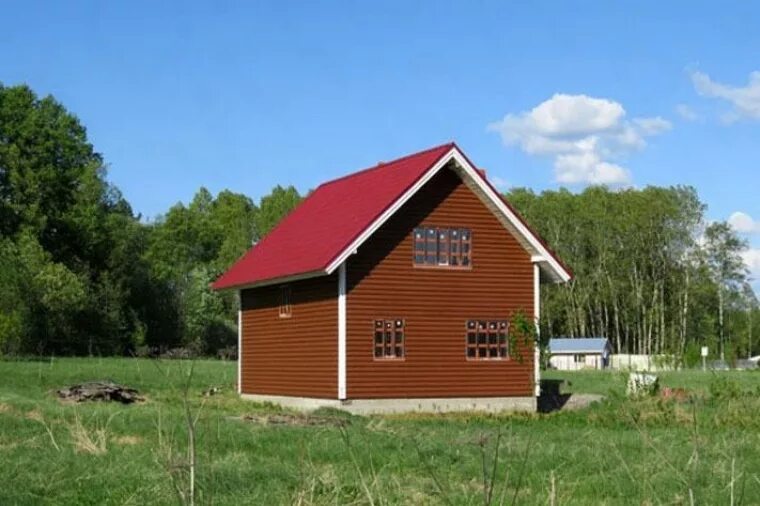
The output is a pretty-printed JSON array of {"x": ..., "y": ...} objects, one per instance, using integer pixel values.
[
  {"x": 212, "y": 391},
  {"x": 100, "y": 391},
  {"x": 297, "y": 420},
  {"x": 551, "y": 398}
]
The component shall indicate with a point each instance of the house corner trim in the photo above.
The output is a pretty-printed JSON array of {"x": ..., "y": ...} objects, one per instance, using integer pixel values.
[
  {"x": 342, "y": 331},
  {"x": 240, "y": 343},
  {"x": 537, "y": 317}
]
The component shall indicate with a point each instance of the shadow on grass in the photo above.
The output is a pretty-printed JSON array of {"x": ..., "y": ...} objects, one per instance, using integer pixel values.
[{"x": 551, "y": 398}]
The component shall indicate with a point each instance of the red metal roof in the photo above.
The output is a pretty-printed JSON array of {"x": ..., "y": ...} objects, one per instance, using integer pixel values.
[{"x": 328, "y": 221}]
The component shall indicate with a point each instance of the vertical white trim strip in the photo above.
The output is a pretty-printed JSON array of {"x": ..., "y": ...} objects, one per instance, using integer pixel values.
[
  {"x": 240, "y": 344},
  {"x": 537, "y": 294},
  {"x": 537, "y": 316},
  {"x": 342, "y": 331}
]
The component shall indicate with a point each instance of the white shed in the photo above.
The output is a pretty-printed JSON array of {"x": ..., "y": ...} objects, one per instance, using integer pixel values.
[{"x": 571, "y": 354}]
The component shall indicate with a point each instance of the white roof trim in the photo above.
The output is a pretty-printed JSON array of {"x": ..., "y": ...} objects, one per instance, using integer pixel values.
[
  {"x": 367, "y": 233},
  {"x": 539, "y": 253}
]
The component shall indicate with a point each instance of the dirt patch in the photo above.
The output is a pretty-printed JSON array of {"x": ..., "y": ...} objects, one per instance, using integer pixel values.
[
  {"x": 127, "y": 440},
  {"x": 676, "y": 394},
  {"x": 35, "y": 415},
  {"x": 292, "y": 420},
  {"x": 100, "y": 391},
  {"x": 5, "y": 408}
]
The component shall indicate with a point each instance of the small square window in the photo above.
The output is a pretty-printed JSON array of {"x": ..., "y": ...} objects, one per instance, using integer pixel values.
[
  {"x": 486, "y": 339},
  {"x": 389, "y": 339}
]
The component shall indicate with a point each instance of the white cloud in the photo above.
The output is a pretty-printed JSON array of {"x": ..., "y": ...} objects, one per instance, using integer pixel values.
[
  {"x": 652, "y": 126},
  {"x": 743, "y": 222},
  {"x": 584, "y": 135},
  {"x": 752, "y": 261},
  {"x": 745, "y": 100},
  {"x": 686, "y": 112}
]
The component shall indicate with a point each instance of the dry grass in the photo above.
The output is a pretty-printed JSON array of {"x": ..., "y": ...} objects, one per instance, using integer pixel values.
[
  {"x": 94, "y": 440},
  {"x": 128, "y": 440}
]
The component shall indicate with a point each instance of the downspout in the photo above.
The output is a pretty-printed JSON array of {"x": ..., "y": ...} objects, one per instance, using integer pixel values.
[
  {"x": 537, "y": 317},
  {"x": 240, "y": 344}
]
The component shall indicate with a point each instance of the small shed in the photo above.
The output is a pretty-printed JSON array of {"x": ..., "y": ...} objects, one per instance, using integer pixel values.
[{"x": 571, "y": 354}]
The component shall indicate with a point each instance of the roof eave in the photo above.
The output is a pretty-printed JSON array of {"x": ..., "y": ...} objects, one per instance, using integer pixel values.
[{"x": 272, "y": 281}]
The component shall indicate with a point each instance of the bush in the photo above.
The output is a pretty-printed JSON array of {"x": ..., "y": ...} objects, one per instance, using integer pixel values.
[{"x": 723, "y": 387}]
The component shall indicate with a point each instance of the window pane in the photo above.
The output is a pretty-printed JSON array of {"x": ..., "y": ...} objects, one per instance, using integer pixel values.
[
  {"x": 399, "y": 353},
  {"x": 470, "y": 338},
  {"x": 492, "y": 352},
  {"x": 471, "y": 352},
  {"x": 378, "y": 337},
  {"x": 431, "y": 246},
  {"x": 443, "y": 246}
]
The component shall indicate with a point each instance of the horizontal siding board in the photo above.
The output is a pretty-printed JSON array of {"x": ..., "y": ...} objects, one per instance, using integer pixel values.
[
  {"x": 294, "y": 356},
  {"x": 384, "y": 283}
]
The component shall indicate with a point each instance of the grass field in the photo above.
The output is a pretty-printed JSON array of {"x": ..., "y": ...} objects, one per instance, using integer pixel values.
[{"x": 650, "y": 451}]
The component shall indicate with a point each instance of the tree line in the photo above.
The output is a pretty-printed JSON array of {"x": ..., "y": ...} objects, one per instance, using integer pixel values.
[
  {"x": 652, "y": 274},
  {"x": 81, "y": 273}
]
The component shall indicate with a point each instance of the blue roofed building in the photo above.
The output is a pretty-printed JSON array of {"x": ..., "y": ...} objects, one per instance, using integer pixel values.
[{"x": 574, "y": 353}]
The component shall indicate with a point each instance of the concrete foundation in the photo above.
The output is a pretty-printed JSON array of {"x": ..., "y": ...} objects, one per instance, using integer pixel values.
[{"x": 390, "y": 406}]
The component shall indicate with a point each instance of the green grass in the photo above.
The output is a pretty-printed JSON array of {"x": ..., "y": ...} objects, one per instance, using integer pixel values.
[{"x": 648, "y": 451}]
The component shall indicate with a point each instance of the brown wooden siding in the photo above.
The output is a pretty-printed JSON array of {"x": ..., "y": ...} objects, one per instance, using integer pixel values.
[
  {"x": 295, "y": 356},
  {"x": 435, "y": 302}
]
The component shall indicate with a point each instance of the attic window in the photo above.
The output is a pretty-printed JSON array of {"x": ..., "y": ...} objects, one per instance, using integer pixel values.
[
  {"x": 389, "y": 339},
  {"x": 442, "y": 247},
  {"x": 285, "y": 307},
  {"x": 486, "y": 339}
]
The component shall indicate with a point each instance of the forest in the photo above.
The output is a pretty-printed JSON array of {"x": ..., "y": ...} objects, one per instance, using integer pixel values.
[{"x": 82, "y": 274}]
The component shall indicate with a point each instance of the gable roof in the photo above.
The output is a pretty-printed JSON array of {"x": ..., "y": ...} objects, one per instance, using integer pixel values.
[
  {"x": 334, "y": 220},
  {"x": 578, "y": 345}
]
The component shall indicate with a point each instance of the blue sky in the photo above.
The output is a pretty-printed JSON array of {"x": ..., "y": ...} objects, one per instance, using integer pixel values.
[{"x": 179, "y": 95}]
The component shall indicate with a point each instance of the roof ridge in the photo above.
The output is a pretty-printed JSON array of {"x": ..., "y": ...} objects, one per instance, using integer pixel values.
[{"x": 383, "y": 164}]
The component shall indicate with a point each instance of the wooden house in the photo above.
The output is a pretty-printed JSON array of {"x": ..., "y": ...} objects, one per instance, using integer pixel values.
[{"x": 393, "y": 289}]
